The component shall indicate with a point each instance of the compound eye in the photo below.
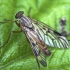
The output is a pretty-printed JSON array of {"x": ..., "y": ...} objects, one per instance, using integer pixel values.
[{"x": 19, "y": 14}]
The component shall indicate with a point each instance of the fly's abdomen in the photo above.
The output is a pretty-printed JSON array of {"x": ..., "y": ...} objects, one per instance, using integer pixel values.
[
  {"x": 43, "y": 47},
  {"x": 47, "y": 51}
]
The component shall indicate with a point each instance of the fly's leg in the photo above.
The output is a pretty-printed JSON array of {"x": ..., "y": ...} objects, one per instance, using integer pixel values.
[
  {"x": 9, "y": 38},
  {"x": 17, "y": 24},
  {"x": 7, "y": 21},
  {"x": 29, "y": 11},
  {"x": 16, "y": 31},
  {"x": 12, "y": 21}
]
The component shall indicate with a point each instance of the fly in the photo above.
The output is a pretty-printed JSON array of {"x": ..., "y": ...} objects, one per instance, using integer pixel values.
[
  {"x": 62, "y": 28},
  {"x": 39, "y": 36}
]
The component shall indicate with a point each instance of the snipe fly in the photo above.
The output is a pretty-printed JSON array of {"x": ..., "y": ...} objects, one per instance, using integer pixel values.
[
  {"x": 62, "y": 27},
  {"x": 40, "y": 36}
]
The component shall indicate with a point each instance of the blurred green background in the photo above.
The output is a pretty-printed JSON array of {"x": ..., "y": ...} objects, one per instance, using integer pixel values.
[{"x": 17, "y": 54}]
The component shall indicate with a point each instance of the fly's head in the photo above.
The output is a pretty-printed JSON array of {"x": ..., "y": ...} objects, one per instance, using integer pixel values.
[{"x": 23, "y": 20}]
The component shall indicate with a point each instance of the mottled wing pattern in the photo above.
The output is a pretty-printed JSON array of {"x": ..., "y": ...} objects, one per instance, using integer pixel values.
[
  {"x": 39, "y": 54},
  {"x": 50, "y": 36}
]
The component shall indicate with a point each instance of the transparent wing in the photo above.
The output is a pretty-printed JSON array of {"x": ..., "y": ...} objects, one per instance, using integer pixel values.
[
  {"x": 39, "y": 54},
  {"x": 50, "y": 36}
]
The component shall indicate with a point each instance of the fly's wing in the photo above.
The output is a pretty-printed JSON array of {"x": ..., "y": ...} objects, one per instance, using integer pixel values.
[
  {"x": 50, "y": 36},
  {"x": 39, "y": 54}
]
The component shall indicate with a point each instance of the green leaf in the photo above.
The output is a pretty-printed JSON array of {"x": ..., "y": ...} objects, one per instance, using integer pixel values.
[{"x": 17, "y": 54}]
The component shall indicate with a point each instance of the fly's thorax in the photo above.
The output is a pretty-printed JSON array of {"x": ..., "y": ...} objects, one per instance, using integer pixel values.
[{"x": 26, "y": 21}]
